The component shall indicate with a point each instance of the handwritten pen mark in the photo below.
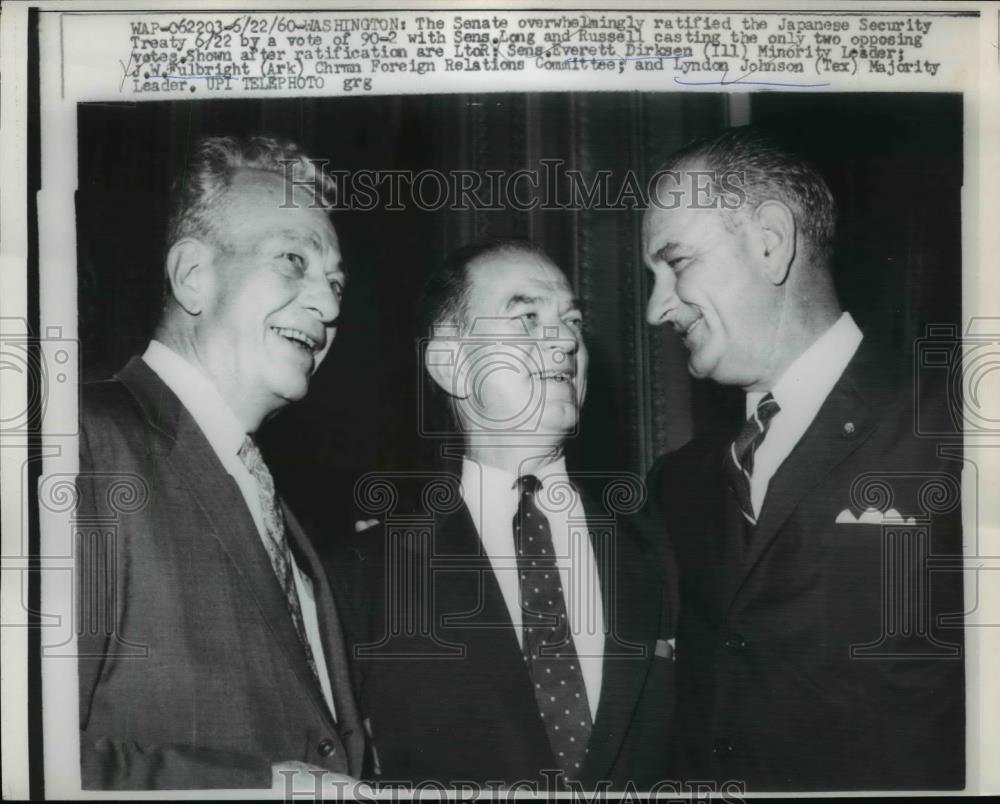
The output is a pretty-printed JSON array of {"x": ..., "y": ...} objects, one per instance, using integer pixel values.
[
  {"x": 548, "y": 53},
  {"x": 721, "y": 82},
  {"x": 575, "y": 59},
  {"x": 125, "y": 69},
  {"x": 741, "y": 80}
]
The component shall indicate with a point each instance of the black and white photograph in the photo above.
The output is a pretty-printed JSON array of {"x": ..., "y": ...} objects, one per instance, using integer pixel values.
[{"x": 502, "y": 436}]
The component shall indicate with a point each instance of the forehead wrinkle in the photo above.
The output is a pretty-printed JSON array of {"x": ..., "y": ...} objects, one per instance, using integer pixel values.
[
  {"x": 308, "y": 237},
  {"x": 271, "y": 239},
  {"x": 498, "y": 282}
]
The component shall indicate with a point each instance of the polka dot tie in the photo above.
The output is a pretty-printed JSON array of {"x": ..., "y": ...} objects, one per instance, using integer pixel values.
[
  {"x": 739, "y": 462},
  {"x": 548, "y": 642},
  {"x": 276, "y": 542}
]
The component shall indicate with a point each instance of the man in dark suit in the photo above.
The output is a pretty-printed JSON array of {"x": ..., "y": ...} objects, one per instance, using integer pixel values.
[
  {"x": 211, "y": 653},
  {"x": 517, "y": 630},
  {"x": 819, "y": 645}
]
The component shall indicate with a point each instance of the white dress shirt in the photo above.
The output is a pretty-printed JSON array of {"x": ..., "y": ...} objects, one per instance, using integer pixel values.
[
  {"x": 491, "y": 496},
  {"x": 800, "y": 392},
  {"x": 225, "y": 435}
]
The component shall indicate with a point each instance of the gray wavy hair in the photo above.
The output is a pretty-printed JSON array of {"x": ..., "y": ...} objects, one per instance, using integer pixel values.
[{"x": 215, "y": 161}]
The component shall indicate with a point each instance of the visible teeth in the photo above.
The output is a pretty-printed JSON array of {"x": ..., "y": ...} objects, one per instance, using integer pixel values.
[
  {"x": 298, "y": 336},
  {"x": 689, "y": 327},
  {"x": 559, "y": 376}
]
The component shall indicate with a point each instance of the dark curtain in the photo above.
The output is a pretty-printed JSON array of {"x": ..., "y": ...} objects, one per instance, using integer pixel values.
[{"x": 893, "y": 161}]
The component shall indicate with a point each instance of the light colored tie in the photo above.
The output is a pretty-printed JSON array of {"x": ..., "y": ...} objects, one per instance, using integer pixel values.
[
  {"x": 276, "y": 541},
  {"x": 739, "y": 463}
]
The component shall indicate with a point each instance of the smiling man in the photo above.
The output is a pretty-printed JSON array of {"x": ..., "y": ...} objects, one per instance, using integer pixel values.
[
  {"x": 213, "y": 655},
  {"x": 816, "y": 651},
  {"x": 516, "y": 628}
]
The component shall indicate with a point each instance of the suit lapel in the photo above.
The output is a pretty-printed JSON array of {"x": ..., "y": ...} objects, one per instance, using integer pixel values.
[
  {"x": 348, "y": 719},
  {"x": 710, "y": 558},
  {"x": 470, "y": 606},
  {"x": 844, "y": 423},
  {"x": 632, "y": 602},
  {"x": 195, "y": 464},
  {"x": 722, "y": 528},
  {"x": 467, "y": 602}
]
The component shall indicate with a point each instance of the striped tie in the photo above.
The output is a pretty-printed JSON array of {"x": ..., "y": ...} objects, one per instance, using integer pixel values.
[{"x": 739, "y": 464}]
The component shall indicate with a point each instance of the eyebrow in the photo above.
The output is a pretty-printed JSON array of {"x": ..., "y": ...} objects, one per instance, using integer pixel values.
[
  {"x": 520, "y": 298},
  {"x": 664, "y": 250},
  {"x": 311, "y": 239}
]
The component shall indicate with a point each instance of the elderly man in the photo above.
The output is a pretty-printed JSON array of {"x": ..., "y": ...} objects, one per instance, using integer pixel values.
[
  {"x": 217, "y": 660},
  {"x": 532, "y": 649},
  {"x": 815, "y": 649}
]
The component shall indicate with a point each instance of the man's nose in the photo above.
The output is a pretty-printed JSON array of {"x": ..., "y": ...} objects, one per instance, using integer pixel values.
[
  {"x": 562, "y": 338},
  {"x": 662, "y": 299},
  {"x": 563, "y": 345},
  {"x": 321, "y": 298}
]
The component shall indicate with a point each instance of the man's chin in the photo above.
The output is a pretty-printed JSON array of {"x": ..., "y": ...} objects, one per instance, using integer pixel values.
[
  {"x": 291, "y": 388},
  {"x": 559, "y": 418},
  {"x": 702, "y": 369}
]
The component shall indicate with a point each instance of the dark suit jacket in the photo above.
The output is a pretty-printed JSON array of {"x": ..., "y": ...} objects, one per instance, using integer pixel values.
[
  {"x": 191, "y": 672},
  {"x": 816, "y": 658},
  {"x": 443, "y": 680}
]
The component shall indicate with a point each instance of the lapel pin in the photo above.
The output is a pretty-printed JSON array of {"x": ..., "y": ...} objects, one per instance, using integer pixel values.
[{"x": 848, "y": 428}]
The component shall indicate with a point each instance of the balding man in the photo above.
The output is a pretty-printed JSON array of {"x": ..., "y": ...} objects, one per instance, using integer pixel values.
[{"x": 522, "y": 641}]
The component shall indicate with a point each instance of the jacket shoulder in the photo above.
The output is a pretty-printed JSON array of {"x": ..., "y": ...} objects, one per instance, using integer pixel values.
[
  {"x": 116, "y": 434},
  {"x": 106, "y": 402},
  {"x": 107, "y": 408}
]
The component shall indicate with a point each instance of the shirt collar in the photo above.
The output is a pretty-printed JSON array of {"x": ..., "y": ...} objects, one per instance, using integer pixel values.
[
  {"x": 201, "y": 398},
  {"x": 480, "y": 481},
  {"x": 809, "y": 378}
]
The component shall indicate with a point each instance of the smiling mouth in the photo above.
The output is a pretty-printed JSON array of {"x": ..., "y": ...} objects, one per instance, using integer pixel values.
[
  {"x": 685, "y": 333},
  {"x": 555, "y": 376},
  {"x": 298, "y": 338}
]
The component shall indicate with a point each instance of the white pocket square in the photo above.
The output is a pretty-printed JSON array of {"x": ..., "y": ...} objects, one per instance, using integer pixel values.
[
  {"x": 872, "y": 516},
  {"x": 665, "y": 648}
]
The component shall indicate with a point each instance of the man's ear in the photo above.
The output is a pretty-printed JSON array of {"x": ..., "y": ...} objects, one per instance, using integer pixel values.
[
  {"x": 188, "y": 263},
  {"x": 776, "y": 226},
  {"x": 441, "y": 358}
]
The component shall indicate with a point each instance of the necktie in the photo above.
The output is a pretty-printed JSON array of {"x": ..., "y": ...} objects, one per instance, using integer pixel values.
[
  {"x": 548, "y": 642},
  {"x": 276, "y": 542},
  {"x": 739, "y": 464}
]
